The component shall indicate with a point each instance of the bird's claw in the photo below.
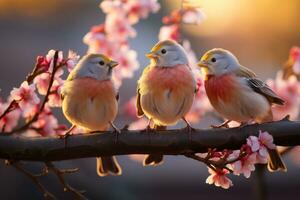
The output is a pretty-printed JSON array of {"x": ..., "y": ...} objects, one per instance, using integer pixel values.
[
  {"x": 65, "y": 137},
  {"x": 223, "y": 125}
]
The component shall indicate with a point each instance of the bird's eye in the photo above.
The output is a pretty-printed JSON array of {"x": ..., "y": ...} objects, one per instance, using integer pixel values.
[
  {"x": 163, "y": 51},
  {"x": 101, "y": 62},
  {"x": 213, "y": 59}
]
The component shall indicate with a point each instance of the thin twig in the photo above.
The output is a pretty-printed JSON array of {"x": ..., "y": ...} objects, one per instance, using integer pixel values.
[
  {"x": 60, "y": 175},
  {"x": 8, "y": 109},
  {"x": 34, "y": 178},
  {"x": 46, "y": 98}
]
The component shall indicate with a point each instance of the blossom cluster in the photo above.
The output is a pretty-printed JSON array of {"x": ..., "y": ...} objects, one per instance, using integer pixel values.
[
  {"x": 255, "y": 151},
  {"x": 26, "y": 102},
  {"x": 111, "y": 37}
]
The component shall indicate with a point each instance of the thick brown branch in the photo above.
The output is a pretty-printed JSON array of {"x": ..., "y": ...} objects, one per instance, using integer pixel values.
[{"x": 170, "y": 142}]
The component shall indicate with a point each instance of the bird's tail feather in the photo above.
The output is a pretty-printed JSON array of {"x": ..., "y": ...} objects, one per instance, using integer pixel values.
[
  {"x": 154, "y": 159},
  {"x": 275, "y": 162},
  {"x": 108, "y": 166}
]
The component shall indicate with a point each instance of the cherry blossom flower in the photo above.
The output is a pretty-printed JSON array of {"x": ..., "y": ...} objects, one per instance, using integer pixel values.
[
  {"x": 288, "y": 90},
  {"x": 118, "y": 27},
  {"x": 193, "y": 16},
  {"x": 72, "y": 60},
  {"x": 127, "y": 60},
  {"x": 140, "y": 9},
  {"x": 27, "y": 98},
  {"x": 169, "y": 32},
  {"x": 108, "y": 6},
  {"x": 244, "y": 165},
  {"x": 218, "y": 178},
  {"x": 50, "y": 58},
  {"x": 46, "y": 123},
  {"x": 295, "y": 59},
  {"x": 55, "y": 95},
  {"x": 10, "y": 120},
  {"x": 42, "y": 83},
  {"x": 260, "y": 145}
]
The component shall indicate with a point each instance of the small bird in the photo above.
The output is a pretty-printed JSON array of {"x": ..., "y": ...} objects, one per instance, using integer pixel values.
[
  {"x": 90, "y": 101},
  {"x": 238, "y": 95},
  {"x": 166, "y": 89}
]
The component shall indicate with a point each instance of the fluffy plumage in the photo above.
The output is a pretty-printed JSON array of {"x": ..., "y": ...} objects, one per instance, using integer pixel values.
[
  {"x": 237, "y": 94},
  {"x": 166, "y": 88},
  {"x": 90, "y": 101}
]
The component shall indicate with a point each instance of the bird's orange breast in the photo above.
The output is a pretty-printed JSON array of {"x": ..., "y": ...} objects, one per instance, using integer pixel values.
[
  {"x": 220, "y": 88},
  {"x": 174, "y": 78},
  {"x": 90, "y": 103}
]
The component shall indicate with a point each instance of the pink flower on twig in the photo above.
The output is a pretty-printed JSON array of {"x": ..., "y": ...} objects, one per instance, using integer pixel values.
[
  {"x": 245, "y": 165},
  {"x": 218, "y": 178},
  {"x": 27, "y": 98},
  {"x": 10, "y": 120}
]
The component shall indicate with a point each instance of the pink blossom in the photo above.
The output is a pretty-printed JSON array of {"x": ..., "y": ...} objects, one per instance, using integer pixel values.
[
  {"x": 55, "y": 95},
  {"x": 108, "y": 6},
  {"x": 72, "y": 60},
  {"x": 295, "y": 59},
  {"x": 219, "y": 178},
  {"x": 42, "y": 83},
  {"x": 193, "y": 16},
  {"x": 245, "y": 165},
  {"x": 266, "y": 140},
  {"x": 140, "y": 9},
  {"x": 46, "y": 123},
  {"x": 288, "y": 90},
  {"x": 169, "y": 32},
  {"x": 10, "y": 120},
  {"x": 127, "y": 60},
  {"x": 50, "y": 58},
  {"x": 118, "y": 28},
  {"x": 27, "y": 98},
  {"x": 260, "y": 145}
]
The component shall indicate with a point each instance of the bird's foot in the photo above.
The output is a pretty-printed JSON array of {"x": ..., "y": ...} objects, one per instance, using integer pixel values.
[
  {"x": 148, "y": 129},
  {"x": 116, "y": 131},
  {"x": 189, "y": 129},
  {"x": 67, "y": 135},
  {"x": 223, "y": 125}
]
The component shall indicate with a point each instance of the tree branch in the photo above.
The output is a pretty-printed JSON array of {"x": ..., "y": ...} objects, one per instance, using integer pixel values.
[
  {"x": 61, "y": 177},
  {"x": 34, "y": 178},
  {"x": 169, "y": 142}
]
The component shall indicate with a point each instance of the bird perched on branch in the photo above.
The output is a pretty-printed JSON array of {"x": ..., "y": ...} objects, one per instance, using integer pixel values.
[
  {"x": 90, "y": 101},
  {"x": 166, "y": 89},
  {"x": 238, "y": 95}
]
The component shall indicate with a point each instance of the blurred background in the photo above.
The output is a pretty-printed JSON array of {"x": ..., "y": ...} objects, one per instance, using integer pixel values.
[{"x": 259, "y": 32}]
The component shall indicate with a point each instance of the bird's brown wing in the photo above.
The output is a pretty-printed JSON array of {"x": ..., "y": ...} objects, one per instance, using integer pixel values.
[
  {"x": 139, "y": 108},
  {"x": 262, "y": 88},
  {"x": 258, "y": 85},
  {"x": 245, "y": 72}
]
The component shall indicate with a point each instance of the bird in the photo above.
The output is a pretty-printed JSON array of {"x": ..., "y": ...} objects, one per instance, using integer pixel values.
[
  {"x": 90, "y": 101},
  {"x": 237, "y": 94},
  {"x": 165, "y": 90}
]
